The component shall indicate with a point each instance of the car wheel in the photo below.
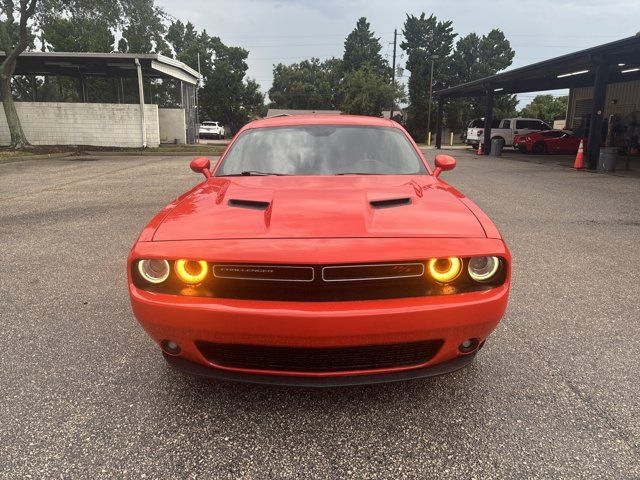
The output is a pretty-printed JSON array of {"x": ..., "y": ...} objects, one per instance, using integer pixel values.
[{"x": 539, "y": 148}]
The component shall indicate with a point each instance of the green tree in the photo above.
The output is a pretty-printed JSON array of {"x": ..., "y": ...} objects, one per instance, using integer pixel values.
[
  {"x": 307, "y": 85},
  {"x": 253, "y": 100},
  {"x": 477, "y": 57},
  {"x": 546, "y": 107},
  {"x": 14, "y": 39},
  {"x": 78, "y": 35},
  {"x": 362, "y": 49},
  {"x": 365, "y": 92},
  {"x": 425, "y": 37},
  {"x": 225, "y": 95},
  {"x": 143, "y": 28}
]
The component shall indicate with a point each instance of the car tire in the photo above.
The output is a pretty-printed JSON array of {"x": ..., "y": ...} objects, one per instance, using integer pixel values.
[{"x": 539, "y": 148}]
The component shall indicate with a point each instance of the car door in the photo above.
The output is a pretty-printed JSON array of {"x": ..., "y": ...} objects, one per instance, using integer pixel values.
[
  {"x": 504, "y": 130},
  {"x": 556, "y": 141},
  {"x": 570, "y": 143},
  {"x": 522, "y": 127}
]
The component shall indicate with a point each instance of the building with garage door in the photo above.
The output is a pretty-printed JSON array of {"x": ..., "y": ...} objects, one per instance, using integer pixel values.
[
  {"x": 621, "y": 108},
  {"x": 103, "y": 99}
]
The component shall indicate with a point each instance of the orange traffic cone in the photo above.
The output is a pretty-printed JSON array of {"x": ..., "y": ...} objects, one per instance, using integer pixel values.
[
  {"x": 479, "y": 148},
  {"x": 579, "y": 162}
]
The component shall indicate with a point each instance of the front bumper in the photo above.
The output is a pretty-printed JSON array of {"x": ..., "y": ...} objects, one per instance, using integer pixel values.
[{"x": 450, "y": 319}]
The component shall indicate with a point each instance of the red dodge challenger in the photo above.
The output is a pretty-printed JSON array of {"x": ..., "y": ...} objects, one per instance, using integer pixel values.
[{"x": 320, "y": 250}]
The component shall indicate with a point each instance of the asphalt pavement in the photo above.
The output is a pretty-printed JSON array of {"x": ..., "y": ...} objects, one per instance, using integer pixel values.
[{"x": 86, "y": 394}]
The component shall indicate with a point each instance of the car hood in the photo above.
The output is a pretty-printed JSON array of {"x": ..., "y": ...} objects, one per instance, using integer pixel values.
[{"x": 319, "y": 207}]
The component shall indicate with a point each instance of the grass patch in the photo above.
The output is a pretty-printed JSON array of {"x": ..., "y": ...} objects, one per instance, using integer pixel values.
[
  {"x": 211, "y": 149},
  {"x": 15, "y": 153}
]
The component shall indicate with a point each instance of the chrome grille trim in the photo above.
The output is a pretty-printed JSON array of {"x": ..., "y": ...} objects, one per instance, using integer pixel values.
[{"x": 357, "y": 279}]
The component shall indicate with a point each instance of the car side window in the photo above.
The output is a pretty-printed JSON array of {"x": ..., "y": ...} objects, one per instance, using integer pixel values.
[
  {"x": 551, "y": 134},
  {"x": 520, "y": 124},
  {"x": 506, "y": 124}
]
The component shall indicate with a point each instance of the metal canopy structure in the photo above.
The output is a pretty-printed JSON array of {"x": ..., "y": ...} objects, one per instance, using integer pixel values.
[
  {"x": 102, "y": 64},
  {"x": 120, "y": 65},
  {"x": 599, "y": 66}
]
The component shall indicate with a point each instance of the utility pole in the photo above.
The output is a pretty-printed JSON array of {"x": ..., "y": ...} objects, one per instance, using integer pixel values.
[
  {"x": 433, "y": 57},
  {"x": 197, "y": 103},
  {"x": 393, "y": 71}
]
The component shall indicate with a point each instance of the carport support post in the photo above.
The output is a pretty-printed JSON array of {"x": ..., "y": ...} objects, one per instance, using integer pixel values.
[
  {"x": 141, "y": 93},
  {"x": 595, "y": 125},
  {"x": 488, "y": 120},
  {"x": 439, "y": 123}
]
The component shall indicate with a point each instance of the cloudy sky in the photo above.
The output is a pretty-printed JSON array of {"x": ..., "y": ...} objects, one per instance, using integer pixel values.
[{"x": 291, "y": 30}]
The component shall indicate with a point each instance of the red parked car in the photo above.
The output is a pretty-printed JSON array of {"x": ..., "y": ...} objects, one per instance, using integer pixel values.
[
  {"x": 548, "y": 141},
  {"x": 320, "y": 250}
]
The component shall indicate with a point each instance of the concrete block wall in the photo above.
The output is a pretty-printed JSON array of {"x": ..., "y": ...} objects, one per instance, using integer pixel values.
[
  {"x": 98, "y": 124},
  {"x": 172, "y": 125}
]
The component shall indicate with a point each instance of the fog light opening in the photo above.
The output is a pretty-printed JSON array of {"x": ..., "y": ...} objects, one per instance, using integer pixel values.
[
  {"x": 470, "y": 345},
  {"x": 170, "y": 348}
]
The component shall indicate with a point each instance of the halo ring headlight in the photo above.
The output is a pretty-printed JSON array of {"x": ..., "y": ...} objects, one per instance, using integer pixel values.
[
  {"x": 445, "y": 270},
  {"x": 191, "y": 272},
  {"x": 482, "y": 269},
  {"x": 153, "y": 270}
]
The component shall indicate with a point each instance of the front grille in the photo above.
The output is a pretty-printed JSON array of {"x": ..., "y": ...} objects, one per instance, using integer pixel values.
[
  {"x": 320, "y": 283},
  {"x": 332, "y": 359},
  {"x": 346, "y": 273}
]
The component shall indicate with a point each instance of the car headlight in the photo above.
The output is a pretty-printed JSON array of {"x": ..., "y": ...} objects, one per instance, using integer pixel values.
[
  {"x": 154, "y": 271},
  {"x": 482, "y": 269},
  {"x": 445, "y": 270},
  {"x": 191, "y": 272}
]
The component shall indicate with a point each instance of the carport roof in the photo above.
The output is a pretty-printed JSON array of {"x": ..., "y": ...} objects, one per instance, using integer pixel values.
[
  {"x": 102, "y": 64},
  {"x": 566, "y": 71}
]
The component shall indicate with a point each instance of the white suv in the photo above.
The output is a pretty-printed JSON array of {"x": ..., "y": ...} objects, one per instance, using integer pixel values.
[{"x": 211, "y": 130}]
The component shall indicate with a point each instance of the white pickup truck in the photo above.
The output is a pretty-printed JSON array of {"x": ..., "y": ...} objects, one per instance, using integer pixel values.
[{"x": 506, "y": 129}]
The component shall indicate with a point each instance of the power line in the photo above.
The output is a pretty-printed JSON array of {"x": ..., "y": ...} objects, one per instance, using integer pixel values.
[{"x": 537, "y": 35}]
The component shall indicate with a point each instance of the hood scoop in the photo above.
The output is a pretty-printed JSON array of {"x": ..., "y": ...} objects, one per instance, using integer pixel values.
[
  {"x": 248, "y": 204},
  {"x": 390, "y": 203}
]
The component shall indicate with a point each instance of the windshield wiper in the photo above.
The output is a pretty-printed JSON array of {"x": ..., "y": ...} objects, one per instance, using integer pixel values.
[{"x": 249, "y": 173}]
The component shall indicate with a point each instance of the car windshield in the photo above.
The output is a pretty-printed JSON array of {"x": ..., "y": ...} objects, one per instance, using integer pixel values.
[{"x": 322, "y": 150}]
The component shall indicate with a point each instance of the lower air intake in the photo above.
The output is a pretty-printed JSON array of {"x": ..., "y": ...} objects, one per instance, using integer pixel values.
[{"x": 332, "y": 359}]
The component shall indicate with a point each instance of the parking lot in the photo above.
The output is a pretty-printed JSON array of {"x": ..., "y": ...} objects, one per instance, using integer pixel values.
[{"x": 86, "y": 394}]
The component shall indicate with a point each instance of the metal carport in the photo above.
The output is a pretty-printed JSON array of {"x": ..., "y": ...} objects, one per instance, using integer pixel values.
[
  {"x": 83, "y": 65},
  {"x": 599, "y": 66}
]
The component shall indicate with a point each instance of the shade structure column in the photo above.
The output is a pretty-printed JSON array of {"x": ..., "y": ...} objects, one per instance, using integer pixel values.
[
  {"x": 488, "y": 120},
  {"x": 439, "y": 123},
  {"x": 143, "y": 123},
  {"x": 597, "y": 109}
]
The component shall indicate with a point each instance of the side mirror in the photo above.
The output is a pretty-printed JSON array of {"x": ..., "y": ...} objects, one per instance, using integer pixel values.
[
  {"x": 201, "y": 165},
  {"x": 443, "y": 163}
]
